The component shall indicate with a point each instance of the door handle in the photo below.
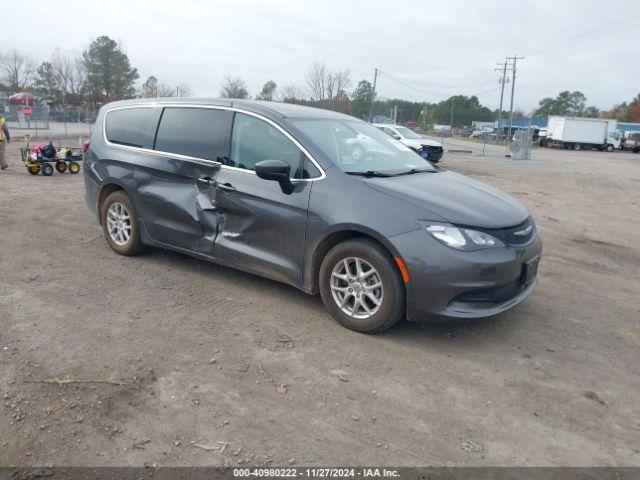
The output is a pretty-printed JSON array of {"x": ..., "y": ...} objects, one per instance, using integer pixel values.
[
  {"x": 227, "y": 187},
  {"x": 207, "y": 181}
]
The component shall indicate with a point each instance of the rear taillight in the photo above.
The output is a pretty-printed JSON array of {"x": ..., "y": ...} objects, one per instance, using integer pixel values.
[{"x": 85, "y": 146}]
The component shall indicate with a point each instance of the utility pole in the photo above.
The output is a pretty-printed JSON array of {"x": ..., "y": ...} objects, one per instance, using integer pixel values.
[
  {"x": 177, "y": 91},
  {"x": 373, "y": 95},
  {"x": 503, "y": 80},
  {"x": 451, "y": 122},
  {"x": 515, "y": 59}
]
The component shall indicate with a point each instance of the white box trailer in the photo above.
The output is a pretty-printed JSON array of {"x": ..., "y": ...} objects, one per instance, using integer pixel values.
[{"x": 577, "y": 133}]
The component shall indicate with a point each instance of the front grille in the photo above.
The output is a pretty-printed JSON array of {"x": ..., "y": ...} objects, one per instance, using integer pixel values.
[
  {"x": 508, "y": 235},
  {"x": 494, "y": 295}
]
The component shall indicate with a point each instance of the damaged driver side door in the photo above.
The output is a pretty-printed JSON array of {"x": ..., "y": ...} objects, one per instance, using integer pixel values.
[{"x": 263, "y": 224}]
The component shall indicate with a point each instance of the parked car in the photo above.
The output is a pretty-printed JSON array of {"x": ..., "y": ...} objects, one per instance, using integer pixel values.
[
  {"x": 631, "y": 142},
  {"x": 429, "y": 149},
  {"x": 542, "y": 137},
  {"x": 273, "y": 189},
  {"x": 480, "y": 134}
]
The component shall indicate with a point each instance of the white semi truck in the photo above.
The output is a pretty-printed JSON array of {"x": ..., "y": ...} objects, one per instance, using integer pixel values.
[{"x": 582, "y": 133}]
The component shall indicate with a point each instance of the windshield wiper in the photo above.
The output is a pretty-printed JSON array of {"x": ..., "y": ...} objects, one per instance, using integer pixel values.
[
  {"x": 414, "y": 170},
  {"x": 369, "y": 173}
]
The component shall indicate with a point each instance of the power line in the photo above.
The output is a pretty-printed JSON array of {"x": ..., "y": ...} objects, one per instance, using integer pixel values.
[
  {"x": 403, "y": 83},
  {"x": 585, "y": 36},
  {"x": 421, "y": 85},
  {"x": 439, "y": 95}
]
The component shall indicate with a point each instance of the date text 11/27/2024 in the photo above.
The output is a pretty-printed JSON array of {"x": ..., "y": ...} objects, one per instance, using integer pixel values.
[{"x": 316, "y": 472}]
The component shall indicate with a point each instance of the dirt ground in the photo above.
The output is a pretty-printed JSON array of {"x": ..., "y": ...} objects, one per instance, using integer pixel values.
[{"x": 108, "y": 360}]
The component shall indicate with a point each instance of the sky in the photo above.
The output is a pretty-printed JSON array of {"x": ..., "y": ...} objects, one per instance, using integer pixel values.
[{"x": 426, "y": 50}]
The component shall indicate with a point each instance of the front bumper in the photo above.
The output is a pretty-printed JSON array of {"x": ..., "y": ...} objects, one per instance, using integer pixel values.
[
  {"x": 431, "y": 153},
  {"x": 450, "y": 283}
]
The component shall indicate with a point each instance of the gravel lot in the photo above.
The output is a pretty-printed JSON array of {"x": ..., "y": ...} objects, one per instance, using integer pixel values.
[{"x": 108, "y": 360}]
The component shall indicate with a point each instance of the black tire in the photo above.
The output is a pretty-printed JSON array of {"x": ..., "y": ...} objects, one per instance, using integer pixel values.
[
  {"x": 61, "y": 167},
  {"x": 74, "y": 167},
  {"x": 134, "y": 245},
  {"x": 577, "y": 146},
  {"x": 392, "y": 309},
  {"x": 47, "y": 169},
  {"x": 34, "y": 169},
  {"x": 609, "y": 148}
]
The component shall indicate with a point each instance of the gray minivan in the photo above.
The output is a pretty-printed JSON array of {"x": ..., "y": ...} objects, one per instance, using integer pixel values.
[{"x": 273, "y": 189}]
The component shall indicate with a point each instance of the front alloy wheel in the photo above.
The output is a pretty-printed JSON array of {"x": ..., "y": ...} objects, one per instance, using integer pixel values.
[
  {"x": 356, "y": 287},
  {"x": 361, "y": 286}
]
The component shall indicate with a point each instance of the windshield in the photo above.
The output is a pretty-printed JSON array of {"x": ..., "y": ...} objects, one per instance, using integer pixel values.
[
  {"x": 356, "y": 146},
  {"x": 406, "y": 133}
]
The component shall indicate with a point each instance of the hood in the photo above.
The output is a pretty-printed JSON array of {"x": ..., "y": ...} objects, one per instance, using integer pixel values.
[
  {"x": 456, "y": 198},
  {"x": 418, "y": 142}
]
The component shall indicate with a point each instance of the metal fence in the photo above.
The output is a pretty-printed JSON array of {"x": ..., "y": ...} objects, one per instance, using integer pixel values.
[
  {"x": 39, "y": 117},
  {"x": 522, "y": 144}
]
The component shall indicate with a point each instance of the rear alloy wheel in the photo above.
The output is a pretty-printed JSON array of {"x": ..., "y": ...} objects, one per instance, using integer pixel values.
[
  {"x": 120, "y": 224},
  {"x": 361, "y": 286}
]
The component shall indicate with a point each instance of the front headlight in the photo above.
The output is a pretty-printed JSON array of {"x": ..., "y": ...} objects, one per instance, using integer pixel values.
[{"x": 461, "y": 238}]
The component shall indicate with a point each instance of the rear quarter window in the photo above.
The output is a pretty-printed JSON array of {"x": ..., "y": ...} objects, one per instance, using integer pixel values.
[{"x": 129, "y": 126}]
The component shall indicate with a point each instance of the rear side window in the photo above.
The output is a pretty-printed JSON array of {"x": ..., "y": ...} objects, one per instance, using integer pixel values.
[
  {"x": 128, "y": 126},
  {"x": 195, "y": 132}
]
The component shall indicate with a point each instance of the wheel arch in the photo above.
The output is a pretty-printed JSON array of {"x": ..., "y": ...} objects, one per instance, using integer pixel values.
[
  {"x": 107, "y": 189},
  {"x": 338, "y": 235}
]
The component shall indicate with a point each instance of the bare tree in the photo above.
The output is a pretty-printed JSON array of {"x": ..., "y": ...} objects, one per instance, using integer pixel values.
[
  {"x": 327, "y": 85},
  {"x": 153, "y": 88},
  {"x": 290, "y": 94},
  {"x": 149, "y": 88},
  {"x": 337, "y": 84},
  {"x": 70, "y": 75},
  {"x": 317, "y": 81},
  {"x": 234, "y": 87},
  {"x": 183, "y": 90},
  {"x": 164, "y": 91},
  {"x": 16, "y": 70}
]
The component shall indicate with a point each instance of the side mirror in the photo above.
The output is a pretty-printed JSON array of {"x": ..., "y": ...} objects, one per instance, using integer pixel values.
[
  {"x": 275, "y": 170},
  {"x": 397, "y": 137}
]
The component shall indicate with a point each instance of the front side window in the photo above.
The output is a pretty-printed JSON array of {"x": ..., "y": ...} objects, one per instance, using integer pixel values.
[
  {"x": 129, "y": 126},
  {"x": 356, "y": 146},
  {"x": 254, "y": 140},
  {"x": 195, "y": 132}
]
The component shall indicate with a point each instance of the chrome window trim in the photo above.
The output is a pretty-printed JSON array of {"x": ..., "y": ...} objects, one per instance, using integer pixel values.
[{"x": 204, "y": 161}]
